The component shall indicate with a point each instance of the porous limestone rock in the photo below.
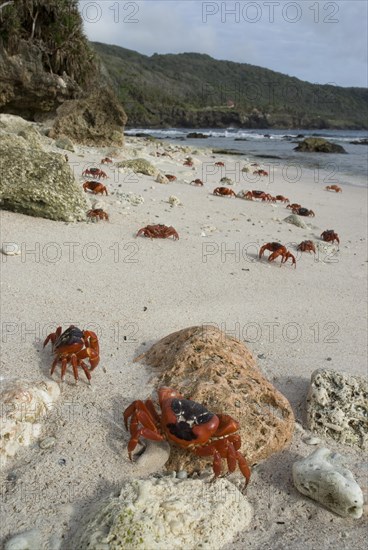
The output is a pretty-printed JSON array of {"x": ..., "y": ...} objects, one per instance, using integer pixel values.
[
  {"x": 63, "y": 142},
  {"x": 227, "y": 181},
  {"x": 37, "y": 183},
  {"x": 214, "y": 369},
  {"x": 337, "y": 407},
  {"x": 97, "y": 120},
  {"x": 17, "y": 126},
  {"x": 154, "y": 514},
  {"x": 138, "y": 166},
  {"x": 162, "y": 179},
  {"x": 23, "y": 405},
  {"x": 323, "y": 477},
  {"x": 296, "y": 220}
]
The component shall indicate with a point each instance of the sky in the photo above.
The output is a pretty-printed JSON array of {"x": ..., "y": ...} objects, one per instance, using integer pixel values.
[{"x": 324, "y": 42}]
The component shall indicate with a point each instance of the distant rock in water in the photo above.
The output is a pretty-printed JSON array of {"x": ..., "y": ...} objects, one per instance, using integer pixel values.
[
  {"x": 240, "y": 139},
  {"x": 319, "y": 145},
  {"x": 97, "y": 120},
  {"x": 196, "y": 135},
  {"x": 227, "y": 152},
  {"x": 363, "y": 141}
]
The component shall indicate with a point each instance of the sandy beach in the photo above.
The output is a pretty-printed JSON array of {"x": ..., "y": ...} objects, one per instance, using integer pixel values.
[{"x": 134, "y": 291}]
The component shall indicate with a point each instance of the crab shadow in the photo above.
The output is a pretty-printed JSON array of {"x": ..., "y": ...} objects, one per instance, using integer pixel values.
[{"x": 295, "y": 389}]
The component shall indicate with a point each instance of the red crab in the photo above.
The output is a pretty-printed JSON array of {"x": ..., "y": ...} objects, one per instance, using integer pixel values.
[
  {"x": 219, "y": 164},
  {"x": 307, "y": 246},
  {"x": 330, "y": 236},
  {"x": 197, "y": 182},
  {"x": 250, "y": 195},
  {"x": 334, "y": 187},
  {"x": 189, "y": 425},
  {"x": 170, "y": 177},
  {"x": 159, "y": 231},
  {"x": 293, "y": 206},
  {"x": 188, "y": 162},
  {"x": 281, "y": 198},
  {"x": 95, "y": 186},
  {"x": 72, "y": 346},
  {"x": 303, "y": 211},
  {"x": 277, "y": 250},
  {"x": 224, "y": 191},
  {"x": 97, "y": 214},
  {"x": 106, "y": 160},
  {"x": 260, "y": 172},
  {"x": 94, "y": 172}
]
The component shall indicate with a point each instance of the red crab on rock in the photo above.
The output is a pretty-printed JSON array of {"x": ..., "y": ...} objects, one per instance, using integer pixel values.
[
  {"x": 72, "y": 346},
  {"x": 159, "y": 231},
  {"x": 189, "y": 425}
]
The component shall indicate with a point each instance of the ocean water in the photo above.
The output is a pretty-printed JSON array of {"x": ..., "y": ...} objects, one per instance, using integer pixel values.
[{"x": 349, "y": 169}]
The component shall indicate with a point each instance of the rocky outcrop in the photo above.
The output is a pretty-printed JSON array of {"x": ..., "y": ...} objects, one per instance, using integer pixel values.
[
  {"x": 97, "y": 120},
  {"x": 318, "y": 145},
  {"x": 26, "y": 89},
  {"x": 154, "y": 514},
  {"x": 337, "y": 407},
  {"x": 218, "y": 371},
  {"x": 37, "y": 183},
  {"x": 139, "y": 166}
]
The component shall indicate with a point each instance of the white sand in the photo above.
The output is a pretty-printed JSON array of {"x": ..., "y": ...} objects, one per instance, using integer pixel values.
[{"x": 320, "y": 304}]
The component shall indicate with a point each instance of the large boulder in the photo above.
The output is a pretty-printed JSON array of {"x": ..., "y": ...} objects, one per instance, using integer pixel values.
[
  {"x": 318, "y": 145},
  {"x": 26, "y": 89},
  {"x": 97, "y": 120},
  {"x": 214, "y": 369},
  {"x": 37, "y": 183}
]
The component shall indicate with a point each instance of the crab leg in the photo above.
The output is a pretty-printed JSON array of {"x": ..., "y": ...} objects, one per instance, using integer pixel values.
[{"x": 147, "y": 434}]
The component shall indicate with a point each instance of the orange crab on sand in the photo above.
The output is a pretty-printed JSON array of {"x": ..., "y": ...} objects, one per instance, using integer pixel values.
[
  {"x": 73, "y": 346},
  {"x": 97, "y": 214},
  {"x": 307, "y": 246},
  {"x": 189, "y": 425},
  {"x": 224, "y": 191},
  {"x": 277, "y": 250},
  {"x": 158, "y": 231},
  {"x": 95, "y": 173},
  {"x": 334, "y": 187},
  {"x": 95, "y": 187}
]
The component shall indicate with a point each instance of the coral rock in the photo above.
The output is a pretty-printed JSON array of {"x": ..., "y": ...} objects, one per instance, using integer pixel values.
[
  {"x": 337, "y": 407},
  {"x": 322, "y": 477},
  {"x": 214, "y": 369},
  {"x": 159, "y": 513}
]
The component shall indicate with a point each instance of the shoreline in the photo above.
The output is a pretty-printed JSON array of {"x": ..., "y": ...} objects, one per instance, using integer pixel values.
[{"x": 139, "y": 290}]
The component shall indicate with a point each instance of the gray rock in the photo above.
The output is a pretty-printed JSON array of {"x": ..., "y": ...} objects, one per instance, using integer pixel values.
[
  {"x": 29, "y": 540},
  {"x": 153, "y": 514},
  {"x": 337, "y": 407},
  {"x": 63, "y": 142},
  {"x": 37, "y": 183},
  {"x": 296, "y": 220},
  {"x": 319, "y": 145},
  {"x": 139, "y": 166},
  {"x": 322, "y": 477}
]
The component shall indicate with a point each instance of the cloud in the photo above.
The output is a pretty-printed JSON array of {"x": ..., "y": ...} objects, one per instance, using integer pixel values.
[{"x": 321, "y": 42}]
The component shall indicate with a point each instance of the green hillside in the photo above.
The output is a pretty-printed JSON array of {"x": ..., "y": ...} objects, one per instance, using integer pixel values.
[{"x": 195, "y": 90}]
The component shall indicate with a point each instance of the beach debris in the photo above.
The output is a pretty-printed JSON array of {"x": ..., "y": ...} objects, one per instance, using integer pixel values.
[
  {"x": 11, "y": 249},
  {"x": 208, "y": 229},
  {"x": 23, "y": 405},
  {"x": 138, "y": 166},
  {"x": 246, "y": 169},
  {"x": 130, "y": 198},
  {"x": 307, "y": 246},
  {"x": 188, "y": 161},
  {"x": 73, "y": 346},
  {"x": 28, "y": 540},
  {"x": 337, "y": 407},
  {"x": 189, "y": 425},
  {"x": 197, "y": 182},
  {"x": 63, "y": 142},
  {"x": 47, "y": 443},
  {"x": 227, "y": 181},
  {"x": 174, "y": 201},
  {"x": 95, "y": 187},
  {"x": 37, "y": 183},
  {"x": 277, "y": 250},
  {"x": 323, "y": 477},
  {"x": 97, "y": 214},
  {"x": 206, "y": 365},
  {"x": 295, "y": 220},
  {"x": 224, "y": 192},
  {"x": 162, "y": 179},
  {"x": 334, "y": 187},
  {"x": 303, "y": 212},
  {"x": 95, "y": 173},
  {"x": 159, "y": 513},
  {"x": 330, "y": 236},
  {"x": 311, "y": 440},
  {"x": 158, "y": 231}
]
